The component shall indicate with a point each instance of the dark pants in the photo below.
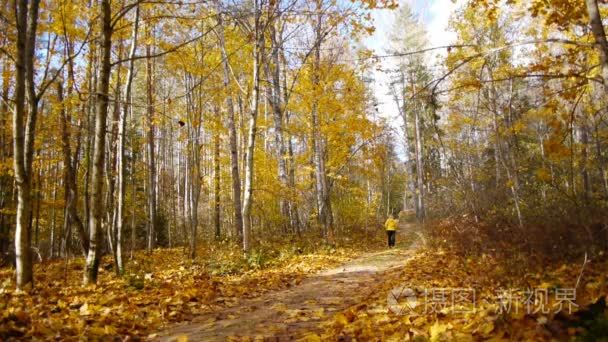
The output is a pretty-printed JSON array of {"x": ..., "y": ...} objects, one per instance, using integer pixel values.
[{"x": 391, "y": 237}]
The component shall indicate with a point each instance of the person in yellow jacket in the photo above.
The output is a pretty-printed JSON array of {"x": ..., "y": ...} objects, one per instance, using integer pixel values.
[{"x": 391, "y": 229}]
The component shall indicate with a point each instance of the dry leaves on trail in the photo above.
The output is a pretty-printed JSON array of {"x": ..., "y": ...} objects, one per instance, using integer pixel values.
[
  {"x": 487, "y": 316},
  {"x": 158, "y": 289}
]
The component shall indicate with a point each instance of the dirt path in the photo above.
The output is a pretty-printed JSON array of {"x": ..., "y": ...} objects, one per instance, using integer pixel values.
[{"x": 290, "y": 313}]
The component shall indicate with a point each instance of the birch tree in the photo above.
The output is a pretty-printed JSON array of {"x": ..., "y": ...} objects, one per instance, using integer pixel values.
[
  {"x": 24, "y": 128},
  {"x": 258, "y": 52},
  {"x": 122, "y": 126},
  {"x": 232, "y": 133},
  {"x": 101, "y": 113}
]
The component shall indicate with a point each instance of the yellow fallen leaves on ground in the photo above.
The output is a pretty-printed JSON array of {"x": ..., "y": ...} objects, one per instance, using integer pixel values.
[
  {"x": 487, "y": 317},
  {"x": 158, "y": 288}
]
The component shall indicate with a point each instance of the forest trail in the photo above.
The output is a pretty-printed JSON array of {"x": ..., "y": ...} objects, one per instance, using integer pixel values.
[{"x": 292, "y": 313}]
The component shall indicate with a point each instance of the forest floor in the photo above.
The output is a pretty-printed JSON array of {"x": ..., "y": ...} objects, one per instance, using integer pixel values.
[
  {"x": 422, "y": 292},
  {"x": 164, "y": 287},
  {"x": 304, "y": 289},
  {"x": 301, "y": 312}
]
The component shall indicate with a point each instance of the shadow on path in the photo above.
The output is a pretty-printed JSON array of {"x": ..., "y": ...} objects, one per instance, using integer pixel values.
[{"x": 291, "y": 313}]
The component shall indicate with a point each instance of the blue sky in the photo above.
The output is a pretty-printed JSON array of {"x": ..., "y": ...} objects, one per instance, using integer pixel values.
[{"x": 434, "y": 15}]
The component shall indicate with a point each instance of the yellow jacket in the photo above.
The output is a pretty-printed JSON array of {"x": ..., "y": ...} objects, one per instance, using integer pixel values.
[{"x": 391, "y": 224}]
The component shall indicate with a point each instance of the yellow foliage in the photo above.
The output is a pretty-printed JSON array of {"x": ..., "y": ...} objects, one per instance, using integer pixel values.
[{"x": 543, "y": 175}]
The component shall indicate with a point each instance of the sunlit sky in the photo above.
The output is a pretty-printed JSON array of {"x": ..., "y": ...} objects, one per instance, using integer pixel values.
[{"x": 434, "y": 15}]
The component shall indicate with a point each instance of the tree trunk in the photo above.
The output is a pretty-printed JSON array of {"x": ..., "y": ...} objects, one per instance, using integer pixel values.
[
  {"x": 253, "y": 116},
  {"x": 23, "y": 136},
  {"x": 318, "y": 146},
  {"x": 273, "y": 72},
  {"x": 6, "y": 181},
  {"x": 69, "y": 174},
  {"x": 419, "y": 166},
  {"x": 122, "y": 127},
  {"x": 92, "y": 77},
  {"x": 194, "y": 193},
  {"x": 101, "y": 113},
  {"x": 291, "y": 173},
  {"x": 216, "y": 183},
  {"x": 232, "y": 134},
  {"x": 584, "y": 131},
  {"x": 600, "y": 159},
  {"x": 420, "y": 208},
  {"x": 53, "y": 236},
  {"x": 151, "y": 157},
  {"x": 513, "y": 186},
  {"x": 133, "y": 243},
  {"x": 406, "y": 145},
  {"x": 192, "y": 181},
  {"x": 597, "y": 28}
]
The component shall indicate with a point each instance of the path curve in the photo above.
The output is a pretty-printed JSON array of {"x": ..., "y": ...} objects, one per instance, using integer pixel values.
[{"x": 291, "y": 313}]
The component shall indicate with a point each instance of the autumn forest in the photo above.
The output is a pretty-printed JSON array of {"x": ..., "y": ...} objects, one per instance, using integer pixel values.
[{"x": 231, "y": 170}]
